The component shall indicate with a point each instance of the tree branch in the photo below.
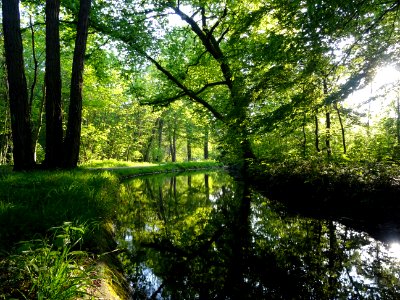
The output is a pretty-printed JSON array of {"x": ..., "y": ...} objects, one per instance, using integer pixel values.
[
  {"x": 184, "y": 89},
  {"x": 209, "y": 42}
]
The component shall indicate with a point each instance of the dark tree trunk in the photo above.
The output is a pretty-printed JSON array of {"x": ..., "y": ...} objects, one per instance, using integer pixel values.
[
  {"x": 304, "y": 136},
  {"x": 317, "y": 132},
  {"x": 342, "y": 129},
  {"x": 206, "y": 152},
  {"x": 73, "y": 135},
  {"x": 328, "y": 134},
  {"x": 54, "y": 130},
  {"x": 19, "y": 106},
  {"x": 160, "y": 137},
  {"x": 172, "y": 146},
  {"x": 189, "y": 142},
  {"x": 328, "y": 124}
]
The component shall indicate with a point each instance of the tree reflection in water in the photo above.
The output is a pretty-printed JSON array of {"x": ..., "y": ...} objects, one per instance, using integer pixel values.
[{"x": 206, "y": 236}]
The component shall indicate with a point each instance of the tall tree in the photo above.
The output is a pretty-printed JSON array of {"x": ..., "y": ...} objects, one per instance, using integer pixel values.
[
  {"x": 73, "y": 135},
  {"x": 54, "y": 130},
  {"x": 18, "y": 93}
]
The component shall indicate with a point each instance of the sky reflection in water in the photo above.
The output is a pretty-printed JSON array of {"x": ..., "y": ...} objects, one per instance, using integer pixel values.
[{"x": 205, "y": 236}]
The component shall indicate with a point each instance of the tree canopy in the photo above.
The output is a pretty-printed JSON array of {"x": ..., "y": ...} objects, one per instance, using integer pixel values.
[{"x": 183, "y": 80}]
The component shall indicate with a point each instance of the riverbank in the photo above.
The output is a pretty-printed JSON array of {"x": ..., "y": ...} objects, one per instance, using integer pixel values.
[
  {"x": 57, "y": 224},
  {"x": 363, "y": 195}
]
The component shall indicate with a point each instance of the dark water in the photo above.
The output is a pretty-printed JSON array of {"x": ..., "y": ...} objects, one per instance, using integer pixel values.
[{"x": 206, "y": 236}]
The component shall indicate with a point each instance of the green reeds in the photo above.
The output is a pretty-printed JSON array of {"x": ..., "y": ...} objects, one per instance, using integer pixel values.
[{"x": 50, "y": 268}]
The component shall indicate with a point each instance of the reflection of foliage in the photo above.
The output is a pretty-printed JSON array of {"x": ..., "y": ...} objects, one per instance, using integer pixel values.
[{"x": 208, "y": 237}]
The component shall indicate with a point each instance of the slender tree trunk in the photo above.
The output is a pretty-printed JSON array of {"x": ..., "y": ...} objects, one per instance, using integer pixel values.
[
  {"x": 73, "y": 135},
  {"x": 38, "y": 128},
  {"x": 317, "y": 132},
  {"x": 398, "y": 119},
  {"x": 189, "y": 142},
  {"x": 328, "y": 134},
  {"x": 341, "y": 128},
  {"x": 35, "y": 64},
  {"x": 304, "y": 137},
  {"x": 328, "y": 123},
  {"x": 160, "y": 138},
  {"x": 172, "y": 146},
  {"x": 150, "y": 142},
  {"x": 206, "y": 140},
  {"x": 54, "y": 130},
  {"x": 19, "y": 106},
  {"x": 172, "y": 143}
]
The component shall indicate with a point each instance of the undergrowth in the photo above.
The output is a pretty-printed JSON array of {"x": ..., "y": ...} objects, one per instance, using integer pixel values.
[{"x": 50, "y": 268}]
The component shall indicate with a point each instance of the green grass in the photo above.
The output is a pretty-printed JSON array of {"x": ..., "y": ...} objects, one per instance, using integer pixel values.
[
  {"x": 113, "y": 163},
  {"x": 31, "y": 203},
  {"x": 163, "y": 168},
  {"x": 50, "y": 268}
]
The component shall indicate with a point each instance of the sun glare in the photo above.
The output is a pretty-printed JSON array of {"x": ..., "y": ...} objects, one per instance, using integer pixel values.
[
  {"x": 394, "y": 250},
  {"x": 375, "y": 98}
]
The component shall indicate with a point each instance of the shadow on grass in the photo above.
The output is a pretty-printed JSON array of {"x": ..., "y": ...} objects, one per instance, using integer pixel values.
[{"x": 32, "y": 203}]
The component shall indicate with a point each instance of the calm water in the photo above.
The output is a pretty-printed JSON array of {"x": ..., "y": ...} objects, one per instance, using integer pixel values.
[{"x": 206, "y": 236}]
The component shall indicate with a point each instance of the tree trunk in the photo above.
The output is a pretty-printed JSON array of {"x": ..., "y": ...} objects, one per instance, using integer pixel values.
[
  {"x": 19, "y": 106},
  {"x": 328, "y": 134},
  {"x": 73, "y": 135},
  {"x": 328, "y": 123},
  {"x": 317, "y": 132},
  {"x": 172, "y": 141},
  {"x": 206, "y": 139},
  {"x": 342, "y": 129},
  {"x": 398, "y": 119},
  {"x": 160, "y": 137},
  {"x": 54, "y": 130},
  {"x": 146, "y": 156},
  {"x": 189, "y": 142},
  {"x": 38, "y": 128},
  {"x": 304, "y": 136}
]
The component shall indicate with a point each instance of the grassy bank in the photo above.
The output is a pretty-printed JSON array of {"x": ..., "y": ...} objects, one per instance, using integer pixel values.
[
  {"x": 366, "y": 192},
  {"x": 54, "y": 227},
  {"x": 128, "y": 169},
  {"x": 49, "y": 224}
]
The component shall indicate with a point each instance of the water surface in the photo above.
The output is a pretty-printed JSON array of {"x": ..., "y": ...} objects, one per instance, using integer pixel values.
[{"x": 206, "y": 236}]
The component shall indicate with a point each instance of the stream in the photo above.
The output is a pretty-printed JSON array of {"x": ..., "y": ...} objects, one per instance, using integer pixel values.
[{"x": 207, "y": 236}]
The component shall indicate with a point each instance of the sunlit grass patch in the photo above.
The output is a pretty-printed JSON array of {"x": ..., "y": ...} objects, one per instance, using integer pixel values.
[
  {"x": 166, "y": 168},
  {"x": 113, "y": 163}
]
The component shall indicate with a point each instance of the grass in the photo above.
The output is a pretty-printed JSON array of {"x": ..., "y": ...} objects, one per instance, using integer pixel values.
[
  {"x": 31, "y": 203},
  {"x": 113, "y": 163},
  {"x": 34, "y": 210},
  {"x": 53, "y": 268},
  {"x": 141, "y": 170}
]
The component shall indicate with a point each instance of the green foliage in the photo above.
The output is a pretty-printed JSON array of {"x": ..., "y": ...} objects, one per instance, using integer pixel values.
[{"x": 50, "y": 268}]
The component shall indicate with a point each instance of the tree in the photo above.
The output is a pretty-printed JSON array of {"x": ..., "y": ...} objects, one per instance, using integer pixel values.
[
  {"x": 73, "y": 135},
  {"x": 18, "y": 93},
  {"x": 54, "y": 130}
]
